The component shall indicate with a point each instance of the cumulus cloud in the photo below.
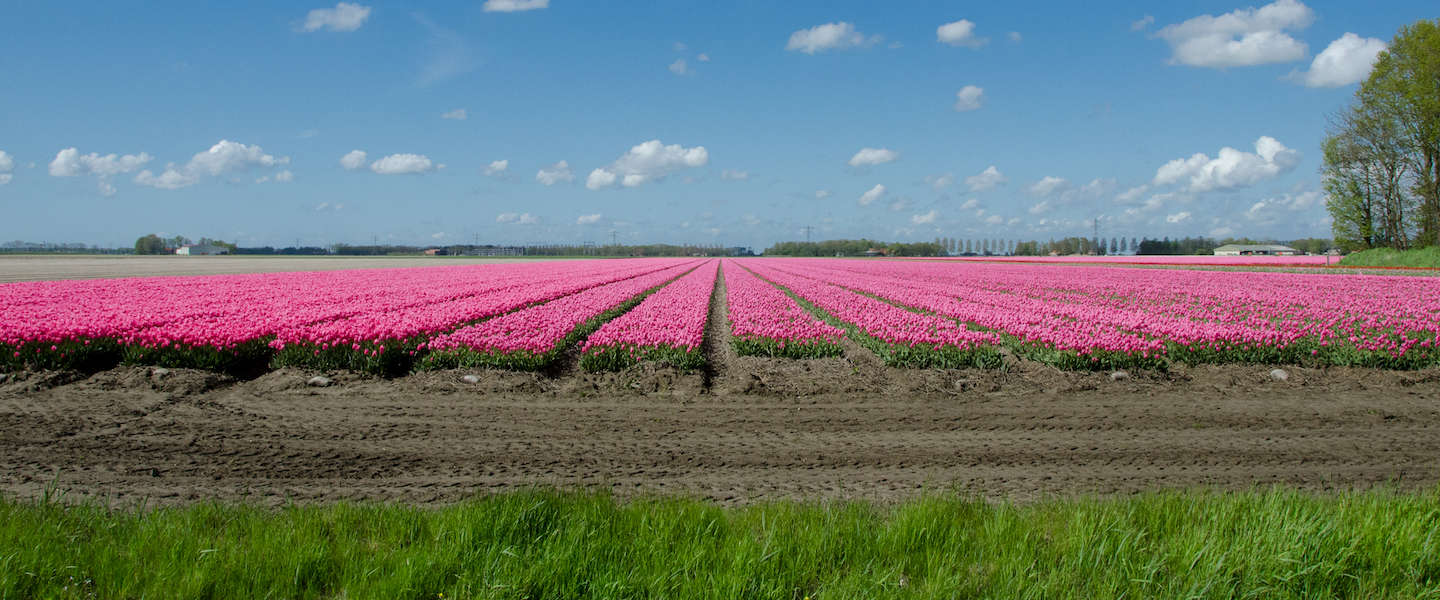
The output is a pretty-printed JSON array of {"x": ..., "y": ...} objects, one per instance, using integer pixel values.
[
  {"x": 7, "y": 164},
  {"x": 822, "y": 194},
  {"x": 1049, "y": 185},
  {"x": 1132, "y": 194},
  {"x": 867, "y": 157},
  {"x": 986, "y": 180},
  {"x": 227, "y": 156},
  {"x": 703, "y": 57},
  {"x": 1283, "y": 207},
  {"x": 403, "y": 164},
  {"x": 871, "y": 196},
  {"x": 647, "y": 162},
  {"x": 1177, "y": 217},
  {"x": 1345, "y": 61},
  {"x": 282, "y": 177},
  {"x": 170, "y": 179},
  {"x": 497, "y": 167},
  {"x": 1040, "y": 208},
  {"x": 70, "y": 163},
  {"x": 354, "y": 159},
  {"x": 679, "y": 67},
  {"x": 959, "y": 33},
  {"x": 940, "y": 182},
  {"x": 344, "y": 17},
  {"x": 588, "y": 219},
  {"x": 830, "y": 36},
  {"x": 517, "y": 218},
  {"x": 1098, "y": 187},
  {"x": 734, "y": 175},
  {"x": 969, "y": 98},
  {"x": 515, "y": 5},
  {"x": 1242, "y": 38},
  {"x": 923, "y": 219},
  {"x": 1142, "y": 23},
  {"x": 1230, "y": 168},
  {"x": 1015, "y": 36},
  {"x": 458, "y": 114},
  {"x": 556, "y": 173}
]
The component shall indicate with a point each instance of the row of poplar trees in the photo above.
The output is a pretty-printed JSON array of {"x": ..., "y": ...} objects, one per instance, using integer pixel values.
[{"x": 1382, "y": 153}]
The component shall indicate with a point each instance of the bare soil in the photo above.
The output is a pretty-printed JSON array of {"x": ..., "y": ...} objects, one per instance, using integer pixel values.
[{"x": 761, "y": 429}]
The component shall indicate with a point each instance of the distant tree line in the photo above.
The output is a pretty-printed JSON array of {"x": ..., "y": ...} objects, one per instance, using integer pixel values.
[{"x": 1381, "y": 166}]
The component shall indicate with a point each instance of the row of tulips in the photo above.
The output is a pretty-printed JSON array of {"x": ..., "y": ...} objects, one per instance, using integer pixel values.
[
  {"x": 764, "y": 321},
  {"x": 901, "y": 337},
  {"x": 533, "y": 338},
  {"x": 248, "y": 322},
  {"x": 667, "y": 327},
  {"x": 1108, "y": 317}
]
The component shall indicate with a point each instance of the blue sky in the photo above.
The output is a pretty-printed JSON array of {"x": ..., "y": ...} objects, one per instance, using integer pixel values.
[{"x": 735, "y": 123}]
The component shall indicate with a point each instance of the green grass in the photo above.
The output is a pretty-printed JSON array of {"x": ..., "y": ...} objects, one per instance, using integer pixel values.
[
  {"x": 544, "y": 544},
  {"x": 1388, "y": 257}
]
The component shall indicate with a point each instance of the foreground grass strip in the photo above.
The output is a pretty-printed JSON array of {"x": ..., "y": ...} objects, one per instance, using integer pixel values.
[{"x": 1262, "y": 544}]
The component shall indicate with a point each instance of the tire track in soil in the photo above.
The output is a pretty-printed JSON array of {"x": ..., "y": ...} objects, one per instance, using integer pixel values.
[{"x": 716, "y": 344}]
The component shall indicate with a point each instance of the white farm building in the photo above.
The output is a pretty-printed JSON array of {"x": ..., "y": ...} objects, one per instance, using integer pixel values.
[
  {"x": 1256, "y": 250},
  {"x": 201, "y": 250}
]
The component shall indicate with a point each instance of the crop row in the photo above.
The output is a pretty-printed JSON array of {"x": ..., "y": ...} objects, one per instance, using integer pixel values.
[
  {"x": 1083, "y": 318},
  {"x": 764, "y": 321},
  {"x": 375, "y": 320}
]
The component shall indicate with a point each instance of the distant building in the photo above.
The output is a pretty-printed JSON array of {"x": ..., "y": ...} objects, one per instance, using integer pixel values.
[
  {"x": 201, "y": 250},
  {"x": 437, "y": 252},
  {"x": 1256, "y": 250},
  {"x": 876, "y": 252}
]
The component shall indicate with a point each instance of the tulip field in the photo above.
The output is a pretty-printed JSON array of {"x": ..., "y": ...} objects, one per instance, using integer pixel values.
[{"x": 614, "y": 313}]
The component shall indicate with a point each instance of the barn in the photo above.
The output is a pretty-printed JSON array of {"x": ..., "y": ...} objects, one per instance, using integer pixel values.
[
  {"x": 1256, "y": 250},
  {"x": 201, "y": 250}
]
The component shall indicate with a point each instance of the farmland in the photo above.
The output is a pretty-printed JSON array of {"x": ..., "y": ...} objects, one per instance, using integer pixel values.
[{"x": 806, "y": 397}]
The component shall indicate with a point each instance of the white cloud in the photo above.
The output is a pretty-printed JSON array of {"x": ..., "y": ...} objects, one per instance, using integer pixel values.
[
  {"x": 514, "y": 5},
  {"x": 1231, "y": 168},
  {"x": 497, "y": 167},
  {"x": 969, "y": 98},
  {"x": 1241, "y": 38},
  {"x": 680, "y": 47},
  {"x": 830, "y": 36},
  {"x": 69, "y": 163},
  {"x": 354, "y": 159},
  {"x": 1132, "y": 194},
  {"x": 971, "y": 204},
  {"x": 344, "y": 17},
  {"x": 940, "y": 182},
  {"x": 1142, "y": 23},
  {"x": 588, "y": 219},
  {"x": 986, "y": 180},
  {"x": 284, "y": 177},
  {"x": 5, "y": 178},
  {"x": 1177, "y": 217},
  {"x": 1015, "y": 36},
  {"x": 734, "y": 175},
  {"x": 458, "y": 114},
  {"x": 403, "y": 164},
  {"x": 822, "y": 194},
  {"x": 7, "y": 162},
  {"x": 227, "y": 156},
  {"x": 873, "y": 156},
  {"x": 924, "y": 219},
  {"x": 556, "y": 173},
  {"x": 170, "y": 179},
  {"x": 1283, "y": 207},
  {"x": 1345, "y": 61},
  {"x": 107, "y": 189},
  {"x": 703, "y": 57},
  {"x": 647, "y": 162},
  {"x": 997, "y": 219},
  {"x": 959, "y": 33},
  {"x": 679, "y": 67},
  {"x": 517, "y": 218},
  {"x": 899, "y": 204},
  {"x": 1041, "y": 207},
  {"x": 1049, "y": 185},
  {"x": 1098, "y": 187},
  {"x": 871, "y": 196}
]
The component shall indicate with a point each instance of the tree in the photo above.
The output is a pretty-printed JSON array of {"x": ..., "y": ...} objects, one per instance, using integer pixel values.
[
  {"x": 1381, "y": 167},
  {"x": 150, "y": 244}
]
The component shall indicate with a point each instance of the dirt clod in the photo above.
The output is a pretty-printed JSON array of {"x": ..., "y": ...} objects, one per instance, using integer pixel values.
[{"x": 319, "y": 381}]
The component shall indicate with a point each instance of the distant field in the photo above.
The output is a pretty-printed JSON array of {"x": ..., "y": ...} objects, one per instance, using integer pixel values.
[
  {"x": 40, "y": 268},
  {"x": 1187, "y": 260}
]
